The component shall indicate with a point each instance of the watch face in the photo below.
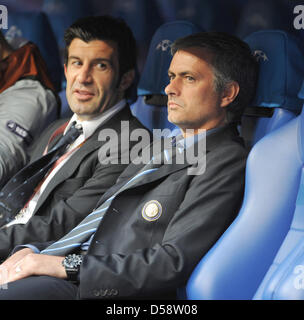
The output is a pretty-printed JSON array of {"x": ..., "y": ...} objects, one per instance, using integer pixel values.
[
  {"x": 71, "y": 264},
  {"x": 72, "y": 261}
]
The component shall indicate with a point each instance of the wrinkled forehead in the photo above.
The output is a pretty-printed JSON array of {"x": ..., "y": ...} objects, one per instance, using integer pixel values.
[
  {"x": 191, "y": 59},
  {"x": 196, "y": 52},
  {"x": 93, "y": 47}
]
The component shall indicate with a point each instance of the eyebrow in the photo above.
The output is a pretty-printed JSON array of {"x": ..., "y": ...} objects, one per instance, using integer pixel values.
[
  {"x": 182, "y": 73},
  {"x": 97, "y": 60}
]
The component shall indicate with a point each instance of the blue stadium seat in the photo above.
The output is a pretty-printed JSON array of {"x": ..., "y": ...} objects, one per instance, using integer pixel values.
[
  {"x": 237, "y": 264},
  {"x": 151, "y": 105},
  {"x": 281, "y": 61},
  {"x": 285, "y": 278},
  {"x": 35, "y": 27}
]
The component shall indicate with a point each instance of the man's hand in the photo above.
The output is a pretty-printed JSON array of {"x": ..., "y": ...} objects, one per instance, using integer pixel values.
[
  {"x": 13, "y": 259},
  {"x": 10, "y": 262},
  {"x": 25, "y": 263}
]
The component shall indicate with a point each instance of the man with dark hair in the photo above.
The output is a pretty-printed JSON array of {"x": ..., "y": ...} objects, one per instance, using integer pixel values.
[
  {"x": 108, "y": 29},
  {"x": 150, "y": 230},
  {"x": 228, "y": 57},
  {"x": 28, "y": 104},
  {"x": 98, "y": 73}
]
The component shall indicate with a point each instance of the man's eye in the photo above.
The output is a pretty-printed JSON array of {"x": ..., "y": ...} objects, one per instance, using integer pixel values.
[
  {"x": 189, "y": 78},
  {"x": 171, "y": 77},
  {"x": 101, "y": 66},
  {"x": 75, "y": 63}
]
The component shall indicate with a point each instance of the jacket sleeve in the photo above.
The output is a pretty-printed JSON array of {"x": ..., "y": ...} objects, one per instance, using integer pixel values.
[
  {"x": 31, "y": 107},
  {"x": 210, "y": 204}
]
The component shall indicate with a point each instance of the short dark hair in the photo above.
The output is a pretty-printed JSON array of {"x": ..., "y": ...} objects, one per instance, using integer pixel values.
[
  {"x": 231, "y": 60},
  {"x": 105, "y": 28}
]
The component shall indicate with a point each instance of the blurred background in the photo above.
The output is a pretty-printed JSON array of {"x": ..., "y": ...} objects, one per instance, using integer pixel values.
[{"x": 239, "y": 17}]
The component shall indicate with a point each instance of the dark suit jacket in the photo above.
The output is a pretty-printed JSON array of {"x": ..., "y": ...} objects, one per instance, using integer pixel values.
[
  {"x": 74, "y": 190},
  {"x": 131, "y": 257}
]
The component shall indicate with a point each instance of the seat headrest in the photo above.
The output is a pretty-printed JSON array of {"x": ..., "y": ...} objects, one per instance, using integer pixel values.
[
  {"x": 154, "y": 77},
  {"x": 281, "y": 62},
  {"x": 35, "y": 27}
]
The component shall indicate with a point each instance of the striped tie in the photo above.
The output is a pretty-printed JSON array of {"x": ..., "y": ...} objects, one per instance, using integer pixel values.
[
  {"x": 81, "y": 233},
  {"x": 19, "y": 189}
]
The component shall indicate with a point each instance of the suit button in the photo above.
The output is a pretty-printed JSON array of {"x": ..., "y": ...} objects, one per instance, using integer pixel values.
[
  {"x": 104, "y": 293},
  {"x": 96, "y": 293},
  {"x": 114, "y": 292}
]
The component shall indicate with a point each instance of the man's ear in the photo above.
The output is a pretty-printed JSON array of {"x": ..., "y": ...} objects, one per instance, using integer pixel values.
[
  {"x": 126, "y": 80},
  {"x": 230, "y": 93},
  {"x": 65, "y": 69}
]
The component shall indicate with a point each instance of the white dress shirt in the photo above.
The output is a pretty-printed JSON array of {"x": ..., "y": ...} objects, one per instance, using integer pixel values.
[{"x": 88, "y": 126}]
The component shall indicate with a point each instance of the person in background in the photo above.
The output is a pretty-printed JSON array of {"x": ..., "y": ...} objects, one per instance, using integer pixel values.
[{"x": 28, "y": 103}]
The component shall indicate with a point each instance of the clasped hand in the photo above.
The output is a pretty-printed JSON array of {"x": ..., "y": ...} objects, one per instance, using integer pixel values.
[{"x": 25, "y": 263}]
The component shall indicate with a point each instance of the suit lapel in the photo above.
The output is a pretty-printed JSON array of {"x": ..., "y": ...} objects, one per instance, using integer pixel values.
[
  {"x": 163, "y": 171},
  {"x": 133, "y": 169},
  {"x": 68, "y": 169},
  {"x": 89, "y": 146}
]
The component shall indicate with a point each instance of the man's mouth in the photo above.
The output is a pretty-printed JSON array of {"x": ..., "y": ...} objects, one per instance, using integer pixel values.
[
  {"x": 173, "y": 105},
  {"x": 83, "y": 94}
]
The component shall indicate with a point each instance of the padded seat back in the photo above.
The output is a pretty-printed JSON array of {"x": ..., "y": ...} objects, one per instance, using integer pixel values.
[
  {"x": 285, "y": 277},
  {"x": 281, "y": 62},
  {"x": 238, "y": 262}
]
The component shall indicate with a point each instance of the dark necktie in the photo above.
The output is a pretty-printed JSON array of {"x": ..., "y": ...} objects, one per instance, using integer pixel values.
[
  {"x": 87, "y": 227},
  {"x": 20, "y": 188}
]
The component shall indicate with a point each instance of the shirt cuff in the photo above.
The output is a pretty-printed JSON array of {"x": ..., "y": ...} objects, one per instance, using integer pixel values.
[{"x": 33, "y": 248}]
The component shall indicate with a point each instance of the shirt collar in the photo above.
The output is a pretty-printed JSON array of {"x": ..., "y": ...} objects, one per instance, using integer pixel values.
[
  {"x": 185, "y": 143},
  {"x": 89, "y": 126}
]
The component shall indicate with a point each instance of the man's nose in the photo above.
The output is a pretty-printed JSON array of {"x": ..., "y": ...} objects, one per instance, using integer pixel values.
[
  {"x": 84, "y": 75},
  {"x": 172, "y": 88}
]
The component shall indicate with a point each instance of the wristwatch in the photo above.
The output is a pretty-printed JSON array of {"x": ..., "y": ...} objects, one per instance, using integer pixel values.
[{"x": 72, "y": 264}]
